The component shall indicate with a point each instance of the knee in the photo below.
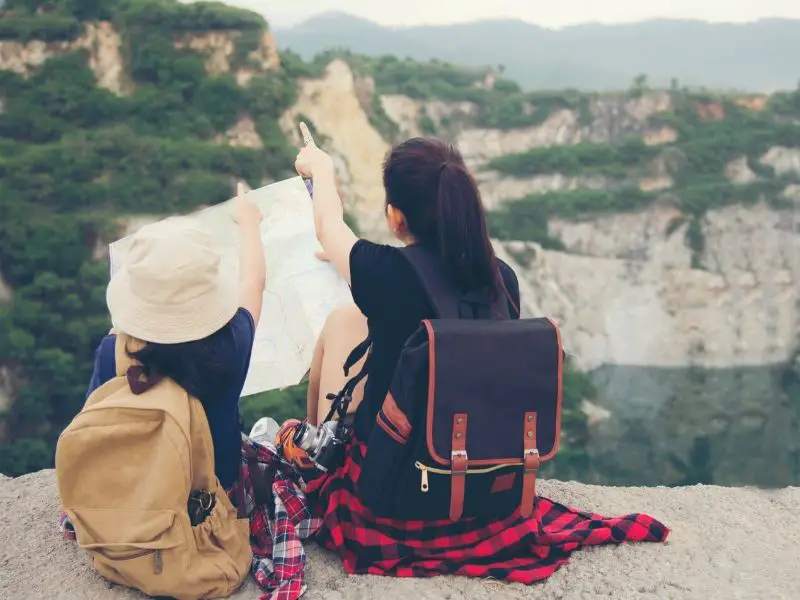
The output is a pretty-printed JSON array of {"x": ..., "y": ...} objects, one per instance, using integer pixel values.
[{"x": 346, "y": 319}]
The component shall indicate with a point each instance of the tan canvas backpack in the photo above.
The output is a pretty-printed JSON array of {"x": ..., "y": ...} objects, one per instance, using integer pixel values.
[{"x": 127, "y": 466}]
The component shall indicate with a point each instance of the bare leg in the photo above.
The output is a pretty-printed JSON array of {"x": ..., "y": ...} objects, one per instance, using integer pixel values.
[{"x": 344, "y": 329}]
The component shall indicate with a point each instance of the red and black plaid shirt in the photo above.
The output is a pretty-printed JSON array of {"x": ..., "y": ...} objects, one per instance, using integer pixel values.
[{"x": 514, "y": 549}]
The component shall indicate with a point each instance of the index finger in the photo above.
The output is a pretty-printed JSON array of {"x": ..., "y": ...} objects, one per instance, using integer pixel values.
[
  {"x": 240, "y": 189},
  {"x": 308, "y": 140}
]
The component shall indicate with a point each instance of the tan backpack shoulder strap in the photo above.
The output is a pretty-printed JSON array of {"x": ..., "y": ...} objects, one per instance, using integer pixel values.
[
  {"x": 203, "y": 476},
  {"x": 202, "y": 446}
]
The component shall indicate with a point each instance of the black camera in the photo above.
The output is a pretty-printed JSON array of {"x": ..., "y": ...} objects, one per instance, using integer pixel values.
[{"x": 324, "y": 444}]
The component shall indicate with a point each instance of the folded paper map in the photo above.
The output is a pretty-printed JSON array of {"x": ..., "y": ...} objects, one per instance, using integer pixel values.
[{"x": 301, "y": 290}]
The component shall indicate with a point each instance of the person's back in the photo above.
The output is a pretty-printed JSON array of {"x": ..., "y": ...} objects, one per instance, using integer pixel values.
[
  {"x": 388, "y": 290},
  {"x": 136, "y": 473},
  {"x": 143, "y": 468},
  {"x": 431, "y": 200},
  {"x": 200, "y": 334}
]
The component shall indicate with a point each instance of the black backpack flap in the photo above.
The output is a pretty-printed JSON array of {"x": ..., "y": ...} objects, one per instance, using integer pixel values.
[{"x": 489, "y": 383}]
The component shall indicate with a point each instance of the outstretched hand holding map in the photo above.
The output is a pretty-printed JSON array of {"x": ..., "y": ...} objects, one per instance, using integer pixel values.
[{"x": 301, "y": 290}]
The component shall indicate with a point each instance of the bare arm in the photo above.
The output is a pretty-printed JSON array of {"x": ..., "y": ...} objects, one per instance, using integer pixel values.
[
  {"x": 252, "y": 264},
  {"x": 314, "y": 378},
  {"x": 333, "y": 233},
  {"x": 252, "y": 270}
]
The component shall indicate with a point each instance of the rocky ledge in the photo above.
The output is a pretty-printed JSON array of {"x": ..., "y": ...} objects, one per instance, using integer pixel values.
[{"x": 725, "y": 543}]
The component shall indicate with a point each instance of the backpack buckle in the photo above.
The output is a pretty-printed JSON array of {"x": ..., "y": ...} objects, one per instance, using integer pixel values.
[
  {"x": 530, "y": 460},
  {"x": 458, "y": 465},
  {"x": 458, "y": 462}
]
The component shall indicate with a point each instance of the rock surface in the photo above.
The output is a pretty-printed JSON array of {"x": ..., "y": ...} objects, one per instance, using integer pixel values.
[
  {"x": 333, "y": 106},
  {"x": 625, "y": 291},
  {"x": 495, "y": 187},
  {"x": 101, "y": 40},
  {"x": 725, "y": 543},
  {"x": 242, "y": 134},
  {"x": 219, "y": 47},
  {"x": 785, "y": 161},
  {"x": 611, "y": 119}
]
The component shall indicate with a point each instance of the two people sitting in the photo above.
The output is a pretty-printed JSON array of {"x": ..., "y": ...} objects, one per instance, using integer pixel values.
[
  {"x": 199, "y": 325},
  {"x": 178, "y": 316},
  {"x": 191, "y": 323}
]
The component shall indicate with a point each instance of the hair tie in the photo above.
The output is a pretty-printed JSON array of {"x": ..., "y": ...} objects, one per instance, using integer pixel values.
[{"x": 444, "y": 164}]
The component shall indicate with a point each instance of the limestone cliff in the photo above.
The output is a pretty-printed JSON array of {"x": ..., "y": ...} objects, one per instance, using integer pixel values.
[
  {"x": 333, "y": 106},
  {"x": 103, "y": 41},
  {"x": 100, "y": 39},
  {"x": 627, "y": 294},
  {"x": 626, "y": 287},
  {"x": 219, "y": 48}
]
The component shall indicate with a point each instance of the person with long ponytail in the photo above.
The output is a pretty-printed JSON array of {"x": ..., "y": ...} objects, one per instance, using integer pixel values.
[{"x": 431, "y": 199}]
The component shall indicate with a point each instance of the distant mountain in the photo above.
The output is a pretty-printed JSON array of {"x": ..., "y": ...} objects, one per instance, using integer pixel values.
[{"x": 760, "y": 56}]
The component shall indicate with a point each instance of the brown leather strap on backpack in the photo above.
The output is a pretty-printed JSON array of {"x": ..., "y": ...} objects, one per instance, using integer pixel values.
[
  {"x": 530, "y": 465},
  {"x": 458, "y": 466}
]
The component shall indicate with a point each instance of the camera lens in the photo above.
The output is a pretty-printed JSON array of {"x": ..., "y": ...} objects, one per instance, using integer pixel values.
[{"x": 304, "y": 436}]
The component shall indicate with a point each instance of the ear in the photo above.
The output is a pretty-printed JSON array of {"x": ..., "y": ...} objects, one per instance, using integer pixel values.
[{"x": 396, "y": 218}]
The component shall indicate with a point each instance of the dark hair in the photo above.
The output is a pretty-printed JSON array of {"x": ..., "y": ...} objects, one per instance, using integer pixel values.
[
  {"x": 192, "y": 365},
  {"x": 428, "y": 181}
]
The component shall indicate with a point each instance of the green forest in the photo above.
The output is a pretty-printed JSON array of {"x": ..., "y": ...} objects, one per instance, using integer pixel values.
[{"x": 75, "y": 158}]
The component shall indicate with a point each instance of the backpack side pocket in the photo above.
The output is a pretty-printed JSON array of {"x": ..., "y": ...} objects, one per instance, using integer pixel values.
[{"x": 387, "y": 451}]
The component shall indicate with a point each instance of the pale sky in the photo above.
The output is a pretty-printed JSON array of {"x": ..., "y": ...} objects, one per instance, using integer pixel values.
[{"x": 547, "y": 13}]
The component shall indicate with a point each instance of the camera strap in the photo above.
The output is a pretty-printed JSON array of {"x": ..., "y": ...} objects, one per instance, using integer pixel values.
[{"x": 341, "y": 401}]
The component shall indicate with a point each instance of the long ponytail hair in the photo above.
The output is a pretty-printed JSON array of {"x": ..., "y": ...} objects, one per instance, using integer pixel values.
[{"x": 428, "y": 181}]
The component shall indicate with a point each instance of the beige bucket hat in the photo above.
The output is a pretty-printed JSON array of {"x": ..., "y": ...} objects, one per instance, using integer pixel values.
[{"x": 172, "y": 287}]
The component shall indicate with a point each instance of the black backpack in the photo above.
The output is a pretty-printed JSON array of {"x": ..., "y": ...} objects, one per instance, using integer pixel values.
[{"x": 473, "y": 409}]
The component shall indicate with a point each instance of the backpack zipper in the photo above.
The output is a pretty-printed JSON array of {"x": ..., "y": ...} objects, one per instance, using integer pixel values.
[{"x": 425, "y": 484}]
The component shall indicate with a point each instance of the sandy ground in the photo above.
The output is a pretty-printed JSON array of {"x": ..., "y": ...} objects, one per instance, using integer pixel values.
[{"x": 725, "y": 544}]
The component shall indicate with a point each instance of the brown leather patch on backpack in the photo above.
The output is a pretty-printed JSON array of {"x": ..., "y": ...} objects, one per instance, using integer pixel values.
[{"x": 503, "y": 483}]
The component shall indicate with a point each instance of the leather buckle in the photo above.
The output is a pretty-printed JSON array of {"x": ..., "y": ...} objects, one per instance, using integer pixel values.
[
  {"x": 459, "y": 462},
  {"x": 530, "y": 460}
]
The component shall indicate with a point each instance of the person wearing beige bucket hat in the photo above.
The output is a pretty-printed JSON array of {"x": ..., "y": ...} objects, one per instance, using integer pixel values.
[
  {"x": 173, "y": 288},
  {"x": 197, "y": 320}
]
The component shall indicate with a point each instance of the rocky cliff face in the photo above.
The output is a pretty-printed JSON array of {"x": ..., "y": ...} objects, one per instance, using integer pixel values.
[
  {"x": 219, "y": 47},
  {"x": 627, "y": 294},
  {"x": 101, "y": 40},
  {"x": 332, "y": 104},
  {"x": 626, "y": 288}
]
